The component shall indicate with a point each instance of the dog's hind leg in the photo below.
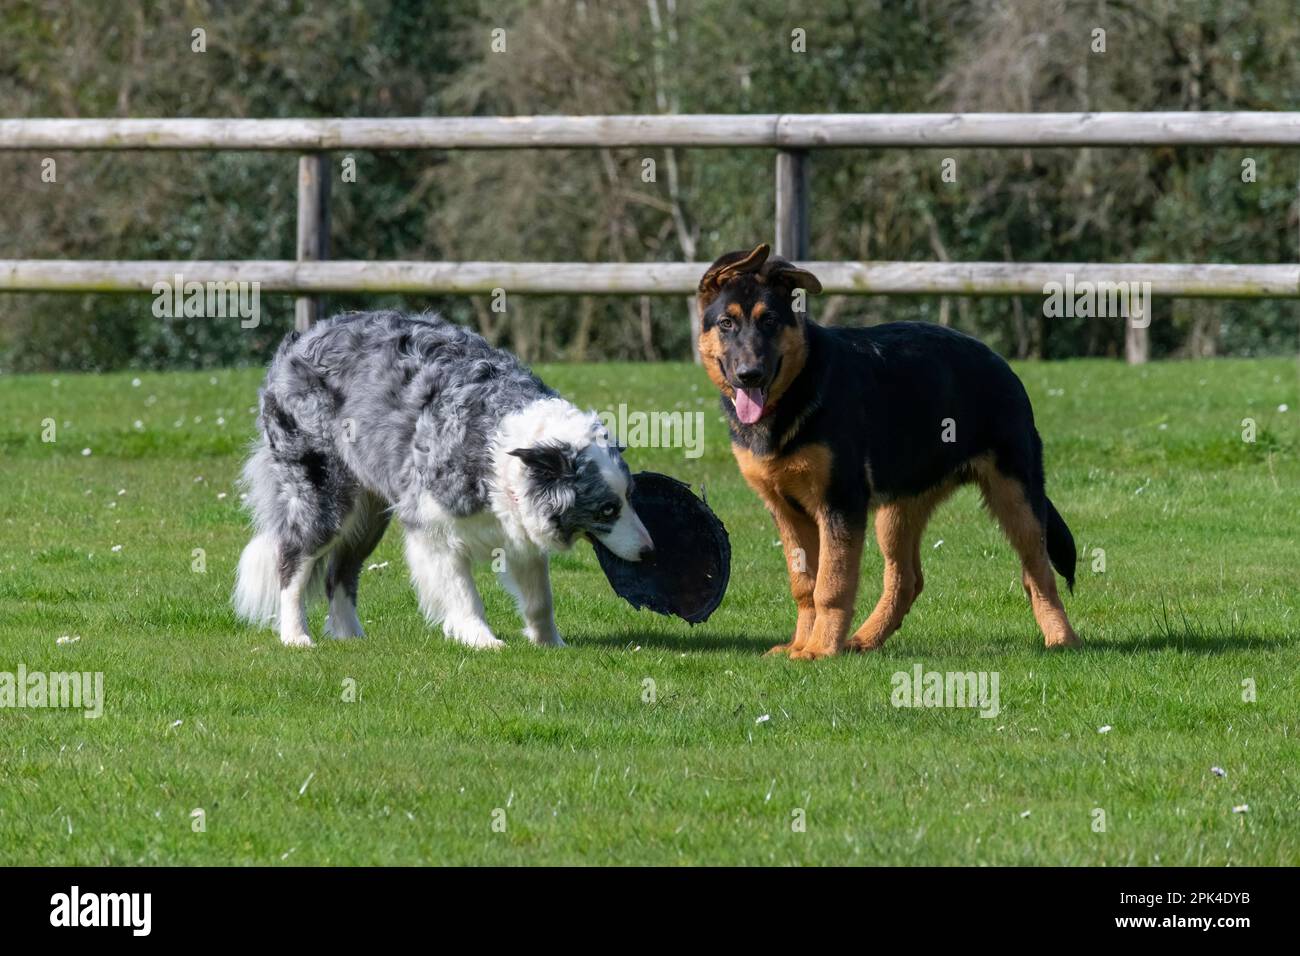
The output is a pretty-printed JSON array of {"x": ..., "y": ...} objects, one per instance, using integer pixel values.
[
  {"x": 301, "y": 545},
  {"x": 299, "y": 492},
  {"x": 528, "y": 577},
  {"x": 363, "y": 529},
  {"x": 295, "y": 577},
  {"x": 320, "y": 496},
  {"x": 298, "y": 513},
  {"x": 445, "y": 583},
  {"x": 1007, "y": 499}
]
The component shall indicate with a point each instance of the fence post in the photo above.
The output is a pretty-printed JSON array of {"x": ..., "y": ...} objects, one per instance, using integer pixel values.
[
  {"x": 1137, "y": 344},
  {"x": 792, "y": 203},
  {"x": 313, "y": 228}
]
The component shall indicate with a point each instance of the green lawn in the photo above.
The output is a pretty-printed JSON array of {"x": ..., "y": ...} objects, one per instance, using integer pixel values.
[{"x": 1200, "y": 592}]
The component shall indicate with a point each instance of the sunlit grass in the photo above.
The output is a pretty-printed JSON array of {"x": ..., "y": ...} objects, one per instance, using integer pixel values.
[{"x": 131, "y": 549}]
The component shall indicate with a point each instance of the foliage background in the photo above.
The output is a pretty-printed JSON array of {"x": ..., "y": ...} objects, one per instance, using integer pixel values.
[{"x": 404, "y": 58}]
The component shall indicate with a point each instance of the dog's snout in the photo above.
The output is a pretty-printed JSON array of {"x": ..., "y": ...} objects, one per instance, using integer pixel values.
[
  {"x": 750, "y": 375},
  {"x": 646, "y": 551}
]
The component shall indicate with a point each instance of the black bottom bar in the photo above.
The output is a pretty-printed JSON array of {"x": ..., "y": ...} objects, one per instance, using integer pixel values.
[{"x": 332, "y": 906}]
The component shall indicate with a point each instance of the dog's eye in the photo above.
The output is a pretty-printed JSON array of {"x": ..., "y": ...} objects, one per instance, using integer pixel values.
[
  {"x": 608, "y": 511},
  {"x": 726, "y": 324}
]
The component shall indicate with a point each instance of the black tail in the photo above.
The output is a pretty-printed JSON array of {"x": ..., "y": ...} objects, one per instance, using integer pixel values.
[{"x": 1060, "y": 545}]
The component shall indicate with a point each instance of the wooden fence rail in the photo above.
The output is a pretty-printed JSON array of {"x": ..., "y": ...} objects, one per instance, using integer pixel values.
[
  {"x": 794, "y": 136},
  {"x": 784, "y": 130},
  {"x": 650, "y": 278}
]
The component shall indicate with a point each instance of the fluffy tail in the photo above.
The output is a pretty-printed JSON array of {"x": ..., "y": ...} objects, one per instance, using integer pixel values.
[
  {"x": 257, "y": 584},
  {"x": 257, "y": 587},
  {"x": 1060, "y": 545}
]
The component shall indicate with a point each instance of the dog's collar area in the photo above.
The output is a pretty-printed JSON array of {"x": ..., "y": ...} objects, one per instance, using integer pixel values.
[{"x": 800, "y": 420}]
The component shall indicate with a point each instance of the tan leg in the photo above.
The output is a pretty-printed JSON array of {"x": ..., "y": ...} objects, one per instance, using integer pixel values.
[
  {"x": 918, "y": 585},
  {"x": 838, "y": 562},
  {"x": 799, "y": 539},
  {"x": 894, "y": 535},
  {"x": 899, "y": 526},
  {"x": 1006, "y": 499}
]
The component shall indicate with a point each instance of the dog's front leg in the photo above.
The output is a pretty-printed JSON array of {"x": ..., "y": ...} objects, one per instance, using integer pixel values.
[
  {"x": 899, "y": 526},
  {"x": 839, "y": 558},
  {"x": 799, "y": 540},
  {"x": 445, "y": 584},
  {"x": 528, "y": 577}
]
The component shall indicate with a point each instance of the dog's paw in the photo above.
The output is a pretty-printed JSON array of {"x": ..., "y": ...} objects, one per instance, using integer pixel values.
[
  {"x": 863, "y": 645},
  {"x": 549, "y": 638},
  {"x": 812, "y": 653},
  {"x": 472, "y": 633},
  {"x": 780, "y": 649},
  {"x": 342, "y": 621},
  {"x": 343, "y": 630},
  {"x": 1065, "y": 638},
  {"x": 296, "y": 640},
  {"x": 482, "y": 642}
]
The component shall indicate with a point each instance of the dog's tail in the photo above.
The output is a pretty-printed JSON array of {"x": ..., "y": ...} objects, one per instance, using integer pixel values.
[
  {"x": 257, "y": 583},
  {"x": 1060, "y": 544}
]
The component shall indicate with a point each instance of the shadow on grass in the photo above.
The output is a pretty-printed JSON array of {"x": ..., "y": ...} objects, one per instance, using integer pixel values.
[
  {"x": 1184, "y": 641},
  {"x": 993, "y": 644},
  {"x": 1168, "y": 628},
  {"x": 1176, "y": 629},
  {"x": 1187, "y": 642},
  {"x": 696, "y": 640}
]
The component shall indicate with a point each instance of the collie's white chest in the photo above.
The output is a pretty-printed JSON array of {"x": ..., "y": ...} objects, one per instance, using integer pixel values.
[{"x": 477, "y": 536}]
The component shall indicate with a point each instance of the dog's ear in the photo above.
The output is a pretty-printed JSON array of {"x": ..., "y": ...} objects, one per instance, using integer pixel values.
[
  {"x": 783, "y": 272},
  {"x": 727, "y": 267},
  {"x": 549, "y": 461}
]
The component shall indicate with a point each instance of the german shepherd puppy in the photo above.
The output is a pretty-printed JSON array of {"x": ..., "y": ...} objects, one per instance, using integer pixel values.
[{"x": 827, "y": 423}]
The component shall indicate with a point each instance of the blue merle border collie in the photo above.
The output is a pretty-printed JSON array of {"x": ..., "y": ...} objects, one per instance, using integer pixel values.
[{"x": 375, "y": 414}]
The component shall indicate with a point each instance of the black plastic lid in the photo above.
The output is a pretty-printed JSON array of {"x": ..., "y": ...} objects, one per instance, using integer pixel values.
[{"x": 691, "y": 566}]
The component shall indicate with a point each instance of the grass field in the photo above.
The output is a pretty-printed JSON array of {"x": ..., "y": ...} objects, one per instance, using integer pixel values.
[{"x": 739, "y": 758}]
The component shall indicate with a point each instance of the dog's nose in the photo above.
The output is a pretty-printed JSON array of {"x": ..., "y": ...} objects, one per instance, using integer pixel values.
[
  {"x": 646, "y": 553},
  {"x": 750, "y": 376}
]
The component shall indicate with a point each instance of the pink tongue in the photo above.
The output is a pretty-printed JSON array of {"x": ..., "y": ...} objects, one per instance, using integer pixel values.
[{"x": 749, "y": 404}]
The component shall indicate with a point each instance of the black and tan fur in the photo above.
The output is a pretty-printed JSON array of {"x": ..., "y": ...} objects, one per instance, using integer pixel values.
[{"x": 859, "y": 420}]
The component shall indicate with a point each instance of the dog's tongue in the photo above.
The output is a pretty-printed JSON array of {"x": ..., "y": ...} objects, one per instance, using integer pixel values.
[{"x": 749, "y": 404}]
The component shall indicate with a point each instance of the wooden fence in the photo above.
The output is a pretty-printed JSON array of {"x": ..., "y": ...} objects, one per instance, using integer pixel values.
[{"x": 793, "y": 136}]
